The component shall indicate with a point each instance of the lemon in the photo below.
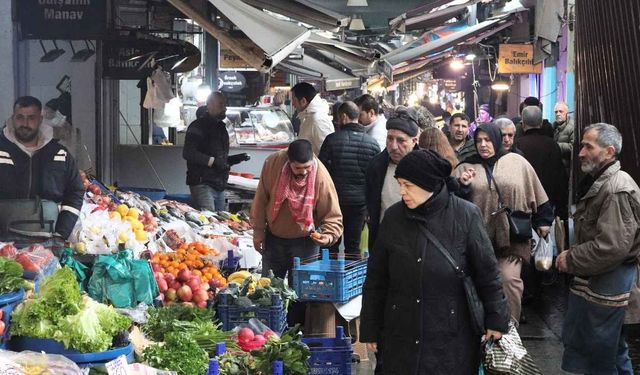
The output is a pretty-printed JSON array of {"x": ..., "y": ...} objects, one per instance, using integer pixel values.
[
  {"x": 80, "y": 248},
  {"x": 123, "y": 237},
  {"x": 136, "y": 225},
  {"x": 115, "y": 215},
  {"x": 123, "y": 210},
  {"x": 141, "y": 235},
  {"x": 134, "y": 212}
]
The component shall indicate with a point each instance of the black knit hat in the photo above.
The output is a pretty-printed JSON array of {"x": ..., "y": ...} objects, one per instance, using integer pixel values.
[
  {"x": 425, "y": 168},
  {"x": 404, "y": 123}
]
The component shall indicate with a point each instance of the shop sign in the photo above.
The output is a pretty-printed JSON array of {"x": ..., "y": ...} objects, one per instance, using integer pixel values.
[
  {"x": 62, "y": 19},
  {"x": 231, "y": 82},
  {"x": 451, "y": 85},
  {"x": 227, "y": 60},
  {"x": 386, "y": 69},
  {"x": 517, "y": 58},
  {"x": 117, "y": 54},
  {"x": 342, "y": 84}
]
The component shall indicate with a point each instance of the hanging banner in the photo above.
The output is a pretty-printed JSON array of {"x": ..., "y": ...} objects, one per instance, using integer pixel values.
[
  {"x": 517, "y": 58},
  {"x": 62, "y": 19}
]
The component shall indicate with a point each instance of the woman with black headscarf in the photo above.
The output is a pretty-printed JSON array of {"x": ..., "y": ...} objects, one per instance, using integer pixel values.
[
  {"x": 414, "y": 303},
  {"x": 502, "y": 176}
]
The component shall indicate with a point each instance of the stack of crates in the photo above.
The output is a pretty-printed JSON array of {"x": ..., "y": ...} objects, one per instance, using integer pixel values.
[{"x": 330, "y": 355}]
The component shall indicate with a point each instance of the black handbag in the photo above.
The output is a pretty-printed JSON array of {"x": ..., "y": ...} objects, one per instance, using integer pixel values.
[
  {"x": 476, "y": 308},
  {"x": 520, "y": 225}
]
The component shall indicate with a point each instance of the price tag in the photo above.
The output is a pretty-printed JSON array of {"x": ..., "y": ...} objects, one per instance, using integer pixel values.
[{"x": 118, "y": 366}]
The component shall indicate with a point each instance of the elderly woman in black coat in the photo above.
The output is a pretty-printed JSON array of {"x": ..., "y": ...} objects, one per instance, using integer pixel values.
[{"x": 414, "y": 304}]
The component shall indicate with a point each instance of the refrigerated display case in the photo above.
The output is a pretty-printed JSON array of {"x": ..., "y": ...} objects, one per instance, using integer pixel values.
[{"x": 259, "y": 126}]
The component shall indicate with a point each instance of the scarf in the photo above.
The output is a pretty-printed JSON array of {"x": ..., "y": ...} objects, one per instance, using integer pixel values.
[{"x": 300, "y": 194}]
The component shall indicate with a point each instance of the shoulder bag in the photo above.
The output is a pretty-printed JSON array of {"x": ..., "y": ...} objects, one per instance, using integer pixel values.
[
  {"x": 520, "y": 225},
  {"x": 476, "y": 308}
]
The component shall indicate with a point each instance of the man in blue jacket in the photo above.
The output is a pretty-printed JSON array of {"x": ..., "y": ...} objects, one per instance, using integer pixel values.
[
  {"x": 35, "y": 167},
  {"x": 346, "y": 155}
]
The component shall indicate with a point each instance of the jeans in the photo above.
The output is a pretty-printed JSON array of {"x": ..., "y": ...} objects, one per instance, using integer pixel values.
[
  {"x": 207, "y": 198},
  {"x": 278, "y": 256},
  {"x": 353, "y": 219}
]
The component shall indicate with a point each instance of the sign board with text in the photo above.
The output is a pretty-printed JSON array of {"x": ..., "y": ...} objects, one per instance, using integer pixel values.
[
  {"x": 517, "y": 58},
  {"x": 231, "y": 82},
  {"x": 227, "y": 60},
  {"x": 62, "y": 19}
]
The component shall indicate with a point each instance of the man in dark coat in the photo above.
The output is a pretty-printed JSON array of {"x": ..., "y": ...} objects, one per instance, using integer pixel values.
[
  {"x": 544, "y": 155},
  {"x": 382, "y": 190},
  {"x": 413, "y": 301},
  {"x": 206, "y": 150},
  {"x": 459, "y": 138},
  {"x": 346, "y": 154},
  {"x": 546, "y": 128}
]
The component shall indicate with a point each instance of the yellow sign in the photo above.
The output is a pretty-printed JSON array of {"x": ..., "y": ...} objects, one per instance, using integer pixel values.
[
  {"x": 517, "y": 58},
  {"x": 227, "y": 60}
]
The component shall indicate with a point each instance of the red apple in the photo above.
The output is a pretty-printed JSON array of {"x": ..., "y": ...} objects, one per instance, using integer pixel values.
[
  {"x": 162, "y": 285},
  {"x": 170, "y": 294},
  {"x": 175, "y": 285},
  {"x": 158, "y": 275},
  {"x": 202, "y": 304},
  {"x": 95, "y": 189},
  {"x": 185, "y": 294},
  {"x": 184, "y": 275},
  {"x": 204, "y": 286},
  {"x": 169, "y": 278}
]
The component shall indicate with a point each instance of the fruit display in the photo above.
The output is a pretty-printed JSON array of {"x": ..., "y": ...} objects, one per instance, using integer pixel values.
[{"x": 188, "y": 275}]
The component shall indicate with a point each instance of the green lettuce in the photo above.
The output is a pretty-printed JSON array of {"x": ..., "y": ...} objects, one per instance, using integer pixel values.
[{"x": 10, "y": 276}]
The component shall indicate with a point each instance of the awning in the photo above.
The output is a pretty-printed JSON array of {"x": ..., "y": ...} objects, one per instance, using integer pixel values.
[
  {"x": 435, "y": 18},
  {"x": 304, "y": 11},
  {"x": 357, "y": 59},
  {"x": 270, "y": 40},
  {"x": 277, "y": 38},
  {"x": 549, "y": 15},
  {"x": 310, "y": 67},
  {"x": 395, "y": 58}
]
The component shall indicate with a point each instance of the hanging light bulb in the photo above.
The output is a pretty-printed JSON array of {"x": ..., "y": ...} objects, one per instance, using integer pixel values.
[
  {"x": 501, "y": 84},
  {"x": 456, "y": 64},
  {"x": 470, "y": 56},
  {"x": 356, "y": 24}
]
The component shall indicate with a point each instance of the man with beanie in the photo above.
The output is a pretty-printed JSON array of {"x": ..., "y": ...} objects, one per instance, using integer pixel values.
[
  {"x": 313, "y": 112},
  {"x": 382, "y": 188},
  {"x": 346, "y": 155},
  {"x": 414, "y": 302},
  {"x": 206, "y": 150}
]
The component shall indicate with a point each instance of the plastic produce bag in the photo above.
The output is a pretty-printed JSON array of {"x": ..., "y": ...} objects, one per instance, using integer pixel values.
[
  {"x": 67, "y": 259},
  {"x": 27, "y": 362},
  {"x": 122, "y": 281},
  {"x": 543, "y": 254},
  {"x": 37, "y": 261}
]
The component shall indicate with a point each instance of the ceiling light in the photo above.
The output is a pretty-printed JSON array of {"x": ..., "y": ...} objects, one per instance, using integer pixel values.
[
  {"x": 456, "y": 64},
  {"x": 357, "y": 3},
  {"x": 51, "y": 55},
  {"x": 501, "y": 84},
  {"x": 470, "y": 56},
  {"x": 356, "y": 24},
  {"x": 83, "y": 54}
]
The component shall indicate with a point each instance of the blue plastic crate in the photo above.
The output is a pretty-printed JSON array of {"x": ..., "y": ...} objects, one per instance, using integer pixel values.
[
  {"x": 8, "y": 302},
  {"x": 330, "y": 280},
  {"x": 330, "y": 355},
  {"x": 231, "y": 316},
  {"x": 232, "y": 261}
]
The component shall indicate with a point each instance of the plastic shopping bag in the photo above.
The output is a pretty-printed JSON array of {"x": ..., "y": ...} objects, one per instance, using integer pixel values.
[{"x": 543, "y": 254}]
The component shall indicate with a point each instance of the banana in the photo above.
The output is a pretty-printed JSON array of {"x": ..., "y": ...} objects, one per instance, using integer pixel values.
[{"x": 264, "y": 282}]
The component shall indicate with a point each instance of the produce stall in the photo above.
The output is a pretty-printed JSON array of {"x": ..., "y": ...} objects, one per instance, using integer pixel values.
[{"x": 151, "y": 287}]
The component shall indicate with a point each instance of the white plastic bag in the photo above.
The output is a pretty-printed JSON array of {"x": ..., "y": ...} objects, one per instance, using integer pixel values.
[{"x": 544, "y": 254}]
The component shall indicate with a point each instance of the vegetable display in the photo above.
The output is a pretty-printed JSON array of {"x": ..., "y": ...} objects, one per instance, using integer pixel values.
[
  {"x": 10, "y": 276},
  {"x": 59, "y": 312},
  {"x": 247, "y": 290},
  {"x": 180, "y": 353}
]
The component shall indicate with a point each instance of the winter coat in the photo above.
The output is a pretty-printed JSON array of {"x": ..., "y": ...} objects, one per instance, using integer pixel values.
[
  {"x": 547, "y": 129},
  {"x": 48, "y": 172},
  {"x": 347, "y": 154},
  {"x": 521, "y": 191},
  {"x": 373, "y": 194},
  {"x": 467, "y": 150},
  {"x": 608, "y": 230},
  {"x": 378, "y": 130},
  {"x": 414, "y": 304},
  {"x": 206, "y": 138},
  {"x": 544, "y": 156},
  {"x": 315, "y": 123},
  {"x": 563, "y": 134}
]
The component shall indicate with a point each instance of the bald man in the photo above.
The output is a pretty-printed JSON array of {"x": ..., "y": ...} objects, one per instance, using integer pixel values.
[{"x": 563, "y": 132}]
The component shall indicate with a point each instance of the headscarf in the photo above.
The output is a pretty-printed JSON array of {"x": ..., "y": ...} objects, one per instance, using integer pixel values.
[
  {"x": 300, "y": 194},
  {"x": 495, "y": 135}
]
